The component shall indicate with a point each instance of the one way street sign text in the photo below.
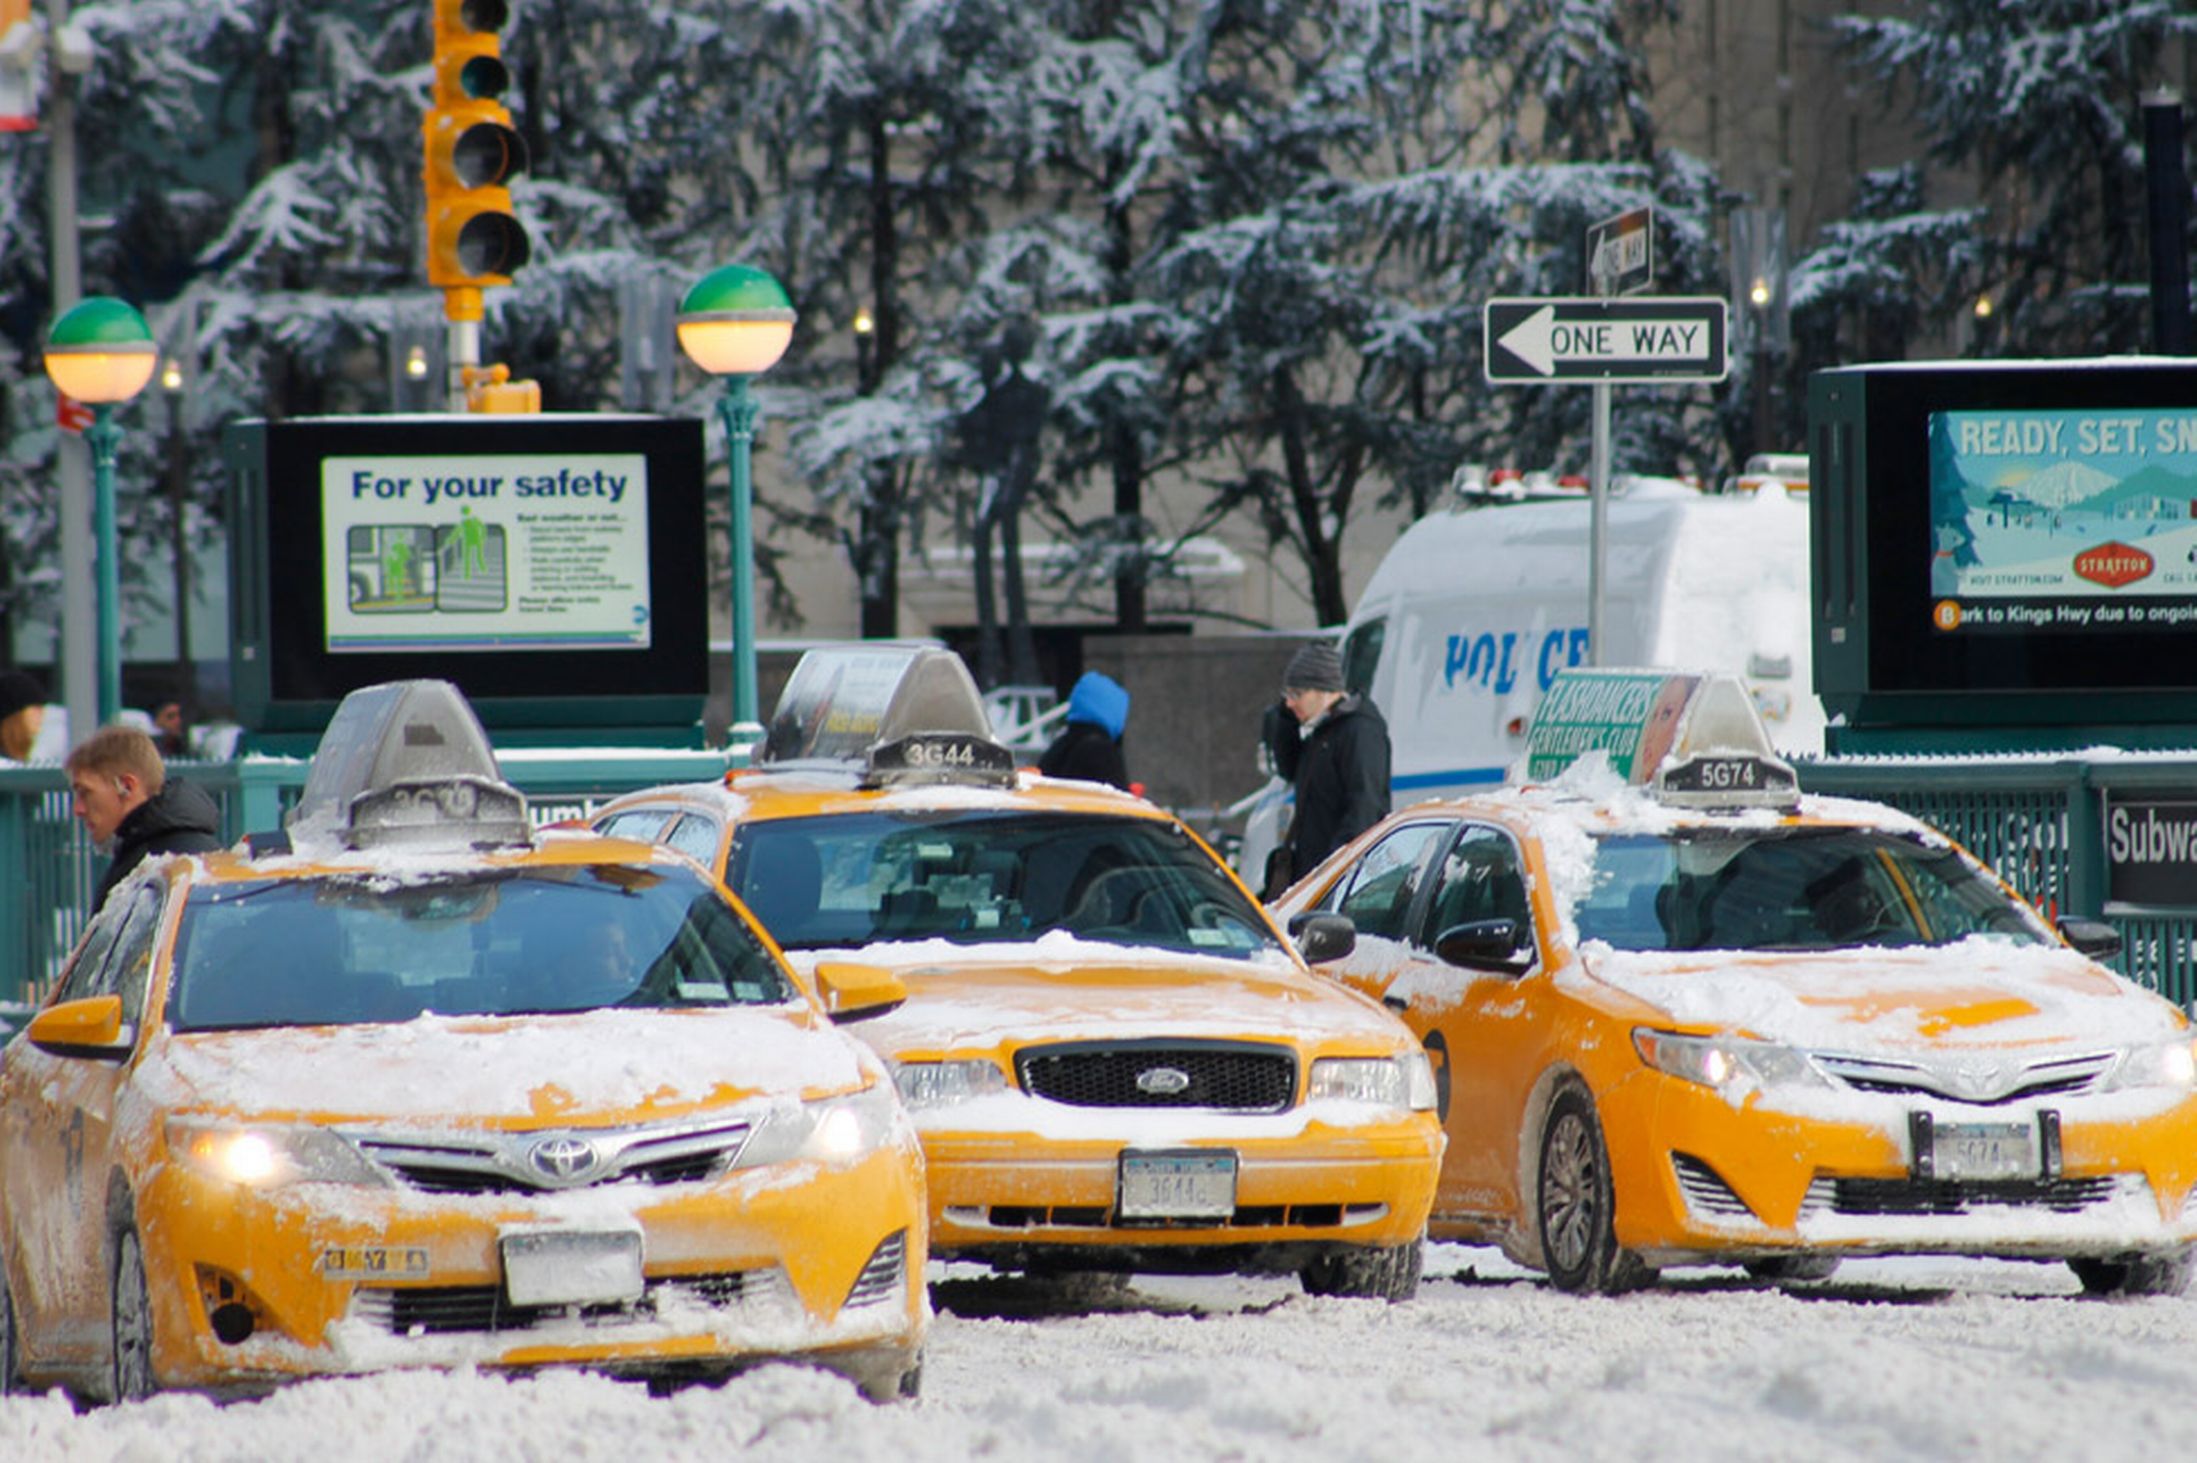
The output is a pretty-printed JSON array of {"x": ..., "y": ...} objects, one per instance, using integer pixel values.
[{"x": 1646, "y": 338}]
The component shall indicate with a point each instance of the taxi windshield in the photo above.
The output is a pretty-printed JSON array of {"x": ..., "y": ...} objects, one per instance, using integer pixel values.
[
  {"x": 1791, "y": 889},
  {"x": 989, "y": 877},
  {"x": 356, "y": 949}
]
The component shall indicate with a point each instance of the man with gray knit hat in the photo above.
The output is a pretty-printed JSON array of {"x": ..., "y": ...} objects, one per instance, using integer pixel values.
[{"x": 1333, "y": 744}]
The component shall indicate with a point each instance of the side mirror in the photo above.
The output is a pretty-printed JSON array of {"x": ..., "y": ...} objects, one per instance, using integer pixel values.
[
  {"x": 1485, "y": 944},
  {"x": 852, "y": 992},
  {"x": 91, "y": 1027},
  {"x": 2092, "y": 937},
  {"x": 1323, "y": 937}
]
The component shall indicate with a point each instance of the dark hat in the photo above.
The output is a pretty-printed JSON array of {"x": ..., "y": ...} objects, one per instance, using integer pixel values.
[
  {"x": 17, "y": 691},
  {"x": 1315, "y": 667}
]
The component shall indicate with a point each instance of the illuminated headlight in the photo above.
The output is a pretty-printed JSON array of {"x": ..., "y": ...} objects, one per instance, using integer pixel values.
[
  {"x": 265, "y": 1155},
  {"x": 940, "y": 1084},
  {"x": 2163, "y": 1064},
  {"x": 1725, "y": 1061},
  {"x": 1389, "y": 1081},
  {"x": 832, "y": 1129}
]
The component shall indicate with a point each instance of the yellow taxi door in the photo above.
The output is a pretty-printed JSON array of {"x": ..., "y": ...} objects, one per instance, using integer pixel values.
[
  {"x": 1484, "y": 1026},
  {"x": 61, "y": 1165}
]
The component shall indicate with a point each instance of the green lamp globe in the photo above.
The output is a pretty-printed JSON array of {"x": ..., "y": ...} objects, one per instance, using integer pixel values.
[
  {"x": 735, "y": 321},
  {"x": 101, "y": 351}
]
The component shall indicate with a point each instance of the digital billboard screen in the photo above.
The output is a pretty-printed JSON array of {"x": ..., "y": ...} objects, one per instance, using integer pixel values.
[
  {"x": 2082, "y": 522},
  {"x": 553, "y": 566}
]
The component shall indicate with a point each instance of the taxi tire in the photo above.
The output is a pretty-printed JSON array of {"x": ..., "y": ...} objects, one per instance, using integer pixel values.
[
  {"x": 130, "y": 1351},
  {"x": 2135, "y": 1275},
  {"x": 1390, "y": 1273},
  {"x": 1575, "y": 1205},
  {"x": 11, "y": 1342}
]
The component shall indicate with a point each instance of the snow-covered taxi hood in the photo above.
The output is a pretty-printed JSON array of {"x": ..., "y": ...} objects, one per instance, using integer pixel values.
[
  {"x": 975, "y": 997},
  {"x": 1983, "y": 993},
  {"x": 594, "y": 1067}
]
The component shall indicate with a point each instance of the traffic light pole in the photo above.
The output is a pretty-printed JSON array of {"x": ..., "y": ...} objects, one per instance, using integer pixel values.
[
  {"x": 78, "y": 646},
  {"x": 464, "y": 345}
]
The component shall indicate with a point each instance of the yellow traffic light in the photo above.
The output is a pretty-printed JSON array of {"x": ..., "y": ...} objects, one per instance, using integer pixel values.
[{"x": 473, "y": 239}]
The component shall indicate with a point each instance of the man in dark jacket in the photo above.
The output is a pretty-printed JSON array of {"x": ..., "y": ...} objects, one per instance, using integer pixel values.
[
  {"x": 119, "y": 790},
  {"x": 1334, "y": 746}
]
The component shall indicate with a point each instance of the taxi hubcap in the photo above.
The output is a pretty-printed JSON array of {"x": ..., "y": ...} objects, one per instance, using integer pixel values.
[{"x": 1568, "y": 1192}]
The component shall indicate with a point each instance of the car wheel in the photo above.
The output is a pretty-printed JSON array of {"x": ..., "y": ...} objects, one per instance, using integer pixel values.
[
  {"x": 887, "y": 1386},
  {"x": 2132, "y": 1275},
  {"x": 11, "y": 1341},
  {"x": 1390, "y": 1274},
  {"x": 1576, "y": 1208},
  {"x": 132, "y": 1348},
  {"x": 1784, "y": 1268}
]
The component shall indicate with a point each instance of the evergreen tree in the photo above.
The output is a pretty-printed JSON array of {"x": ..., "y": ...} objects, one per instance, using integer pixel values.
[{"x": 2041, "y": 101}]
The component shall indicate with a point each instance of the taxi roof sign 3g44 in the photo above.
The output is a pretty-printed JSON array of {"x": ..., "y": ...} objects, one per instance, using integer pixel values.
[
  {"x": 902, "y": 713},
  {"x": 406, "y": 764},
  {"x": 1693, "y": 739}
]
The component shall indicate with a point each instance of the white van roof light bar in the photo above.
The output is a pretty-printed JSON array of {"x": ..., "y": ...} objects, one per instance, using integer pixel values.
[
  {"x": 406, "y": 765},
  {"x": 898, "y": 714}
]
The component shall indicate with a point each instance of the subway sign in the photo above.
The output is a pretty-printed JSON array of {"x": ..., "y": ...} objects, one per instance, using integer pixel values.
[{"x": 2151, "y": 850}]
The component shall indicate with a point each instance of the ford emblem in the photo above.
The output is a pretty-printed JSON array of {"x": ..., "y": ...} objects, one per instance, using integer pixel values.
[
  {"x": 1163, "y": 1081},
  {"x": 562, "y": 1158}
]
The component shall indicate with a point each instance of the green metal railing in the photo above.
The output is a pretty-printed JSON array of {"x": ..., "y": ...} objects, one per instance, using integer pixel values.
[
  {"x": 48, "y": 868},
  {"x": 2040, "y": 823}
]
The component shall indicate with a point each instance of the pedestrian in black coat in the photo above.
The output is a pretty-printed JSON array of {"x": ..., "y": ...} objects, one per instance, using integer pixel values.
[
  {"x": 119, "y": 791},
  {"x": 1333, "y": 745},
  {"x": 1090, "y": 745}
]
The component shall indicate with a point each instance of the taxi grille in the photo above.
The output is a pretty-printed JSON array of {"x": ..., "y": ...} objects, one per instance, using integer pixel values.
[
  {"x": 499, "y": 1163},
  {"x": 1706, "y": 1192},
  {"x": 2055, "y": 1078},
  {"x": 880, "y": 1278},
  {"x": 1936, "y": 1197},
  {"x": 444, "y": 1310},
  {"x": 1230, "y": 1076}
]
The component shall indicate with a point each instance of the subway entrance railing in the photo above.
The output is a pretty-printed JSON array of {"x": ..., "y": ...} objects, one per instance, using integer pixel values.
[
  {"x": 2041, "y": 821},
  {"x": 48, "y": 868}
]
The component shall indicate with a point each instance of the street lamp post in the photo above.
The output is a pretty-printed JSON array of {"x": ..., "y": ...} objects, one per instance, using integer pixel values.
[
  {"x": 101, "y": 353},
  {"x": 735, "y": 323}
]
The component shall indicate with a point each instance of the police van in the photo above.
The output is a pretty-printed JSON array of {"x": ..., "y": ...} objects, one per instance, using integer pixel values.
[{"x": 1470, "y": 617}]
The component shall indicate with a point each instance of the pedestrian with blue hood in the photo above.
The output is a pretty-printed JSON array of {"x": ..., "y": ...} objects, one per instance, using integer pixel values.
[{"x": 1090, "y": 747}]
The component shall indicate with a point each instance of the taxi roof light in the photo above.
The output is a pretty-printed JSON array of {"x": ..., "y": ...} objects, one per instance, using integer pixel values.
[
  {"x": 900, "y": 714},
  {"x": 1695, "y": 740},
  {"x": 406, "y": 764}
]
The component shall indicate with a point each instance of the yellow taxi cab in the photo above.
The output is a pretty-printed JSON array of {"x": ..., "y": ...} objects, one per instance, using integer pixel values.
[
  {"x": 1682, "y": 1014},
  {"x": 1115, "y": 1060},
  {"x": 409, "y": 1085}
]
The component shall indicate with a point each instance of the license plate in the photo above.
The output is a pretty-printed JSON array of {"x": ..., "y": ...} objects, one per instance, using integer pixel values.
[
  {"x": 374, "y": 1262},
  {"x": 1984, "y": 1151},
  {"x": 1187, "y": 1185},
  {"x": 557, "y": 1267}
]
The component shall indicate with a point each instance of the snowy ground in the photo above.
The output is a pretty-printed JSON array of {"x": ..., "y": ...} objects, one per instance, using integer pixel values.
[{"x": 1891, "y": 1359}]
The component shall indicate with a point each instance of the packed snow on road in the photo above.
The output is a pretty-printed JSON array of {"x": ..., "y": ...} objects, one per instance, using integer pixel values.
[{"x": 1888, "y": 1359}]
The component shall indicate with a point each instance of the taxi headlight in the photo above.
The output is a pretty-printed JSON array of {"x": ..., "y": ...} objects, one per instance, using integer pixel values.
[
  {"x": 1389, "y": 1081},
  {"x": 1725, "y": 1062},
  {"x": 940, "y": 1084},
  {"x": 2161, "y": 1064},
  {"x": 266, "y": 1155},
  {"x": 831, "y": 1129}
]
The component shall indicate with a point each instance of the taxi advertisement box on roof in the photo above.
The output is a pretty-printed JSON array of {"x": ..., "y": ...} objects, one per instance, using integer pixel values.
[
  {"x": 1631, "y": 715},
  {"x": 554, "y": 566}
]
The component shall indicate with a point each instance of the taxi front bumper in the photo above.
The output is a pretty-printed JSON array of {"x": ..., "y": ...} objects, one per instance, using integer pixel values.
[
  {"x": 799, "y": 1260},
  {"x": 994, "y": 1192},
  {"x": 1700, "y": 1178}
]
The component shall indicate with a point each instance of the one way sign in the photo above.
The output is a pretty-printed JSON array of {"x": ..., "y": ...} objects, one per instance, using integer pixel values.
[{"x": 1646, "y": 338}]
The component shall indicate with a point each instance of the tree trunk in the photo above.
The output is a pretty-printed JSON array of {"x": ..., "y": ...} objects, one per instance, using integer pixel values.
[
  {"x": 877, "y": 550},
  {"x": 987, "y": 611},
  {"x": 1021, "y": 647}
]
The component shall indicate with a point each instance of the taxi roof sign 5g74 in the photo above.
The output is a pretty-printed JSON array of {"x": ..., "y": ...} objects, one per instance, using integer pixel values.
[{"x": 1695, "y": 740}]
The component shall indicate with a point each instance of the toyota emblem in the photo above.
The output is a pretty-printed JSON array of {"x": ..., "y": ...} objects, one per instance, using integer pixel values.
[
  {"x": 562, "y": 1158},
  {"x": 1163, "y": 1081}
]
